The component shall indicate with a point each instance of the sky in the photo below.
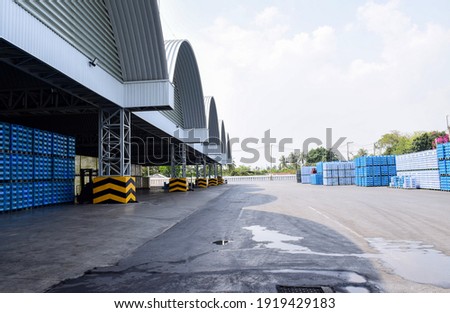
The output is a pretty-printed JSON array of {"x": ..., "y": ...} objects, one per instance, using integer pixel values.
[{"x": 298, "y": 67}]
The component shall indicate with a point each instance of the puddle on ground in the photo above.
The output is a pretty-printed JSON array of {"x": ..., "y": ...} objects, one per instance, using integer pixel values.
[
  {"x": 356, "y": 289},
  {"x": 414, "y": 261},
  {"x": 411, "y": 260},
  {"x": 273, "y": 239}
]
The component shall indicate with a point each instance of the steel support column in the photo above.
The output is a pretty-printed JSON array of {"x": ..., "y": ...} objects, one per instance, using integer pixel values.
[
  {"x": 114, "y": 142},
  {"x": 173, "y": 173},
  {"x": 183, "y": 160}
]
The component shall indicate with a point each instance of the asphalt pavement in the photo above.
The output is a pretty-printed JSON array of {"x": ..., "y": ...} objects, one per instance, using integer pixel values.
[{"x": 235, "y": 238}]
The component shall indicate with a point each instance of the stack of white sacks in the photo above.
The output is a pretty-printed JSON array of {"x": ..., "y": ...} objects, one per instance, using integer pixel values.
[{"x": 338, "y": 173}]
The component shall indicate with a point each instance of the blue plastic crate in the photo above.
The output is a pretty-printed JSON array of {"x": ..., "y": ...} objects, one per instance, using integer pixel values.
[
  {"x": 59, "y": 168},
  {"x": 385, "y": 180},
  {"x": 447, "y": 150},
  {"x": 42, "y": 142},
  {"x": 21, "y": 139},
  {"x": 377, "y": 181},
  {"x": 5, "y": 167},
  {"x": 441, "y": 151},
  {"x": 442, "y": 167},
  {"x": 71, "y": 147},
  {"x": 21, "y": 167},
  {"x": 21, "y": 196},
  {"x": 5, "y": 136},
  {"x": 5, "y": 197},
  {"x": 42, "y": 167},
  {"x": 60, "y": 145},
  {"x": 70, "y": 169},
  {"x": 445, "y": 183},
  {"x": 391, "y": 160},
  {"x": 377, "y": 171},
  {"x": 392, "y": 170}
]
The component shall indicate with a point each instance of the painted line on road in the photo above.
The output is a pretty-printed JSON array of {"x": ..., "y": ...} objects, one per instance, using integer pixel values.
[{"x": 338, "y": 223}]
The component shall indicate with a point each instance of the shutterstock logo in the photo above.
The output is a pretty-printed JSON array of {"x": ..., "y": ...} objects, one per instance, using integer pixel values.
[
  {"x": 268, "y": 141},
  {"x": 161, "y": 151}
]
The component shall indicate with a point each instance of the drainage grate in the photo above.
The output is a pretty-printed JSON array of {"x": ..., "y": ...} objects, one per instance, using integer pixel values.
[
  {"x": 220, "y": 242},
  {"x": 303, "y": 289}
]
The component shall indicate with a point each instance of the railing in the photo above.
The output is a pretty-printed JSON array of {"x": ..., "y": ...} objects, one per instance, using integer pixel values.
[
  {"x": 243, "y": 179},
  {"x": 159, "y": 182}
]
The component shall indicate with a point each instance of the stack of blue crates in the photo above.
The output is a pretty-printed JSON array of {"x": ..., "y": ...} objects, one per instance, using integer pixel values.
[
  {"x": 443, "y": 153},
  {"x": 317, "y": 179},
  {"x": 5, "y": 168},
  {"x": 375, "y": 171},
  {"x": 37, "y": 168}
]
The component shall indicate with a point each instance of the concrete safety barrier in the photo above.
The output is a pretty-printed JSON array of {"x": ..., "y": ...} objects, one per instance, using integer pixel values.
[
  {"x": 202, "y": 182},
  {"x": 114, "y": 189},
  {"x": 178, "y": 185},
  {"x": 212, "y": 182}
]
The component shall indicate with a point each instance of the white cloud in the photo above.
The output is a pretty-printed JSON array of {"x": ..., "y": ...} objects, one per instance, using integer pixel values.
[
  {"x": 299, "y": 83},
  {"x": 267, "y": 16}
]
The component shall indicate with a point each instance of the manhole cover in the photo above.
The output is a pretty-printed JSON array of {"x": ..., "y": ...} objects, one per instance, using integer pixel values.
[
  {"x": 303, "y": 289},
  {"x": 220, "y": 242}
]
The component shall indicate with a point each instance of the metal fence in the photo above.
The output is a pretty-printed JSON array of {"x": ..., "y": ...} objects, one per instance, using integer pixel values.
[
  {"x": 244, "y": 179},
  {"x": 159, "y": 182}
]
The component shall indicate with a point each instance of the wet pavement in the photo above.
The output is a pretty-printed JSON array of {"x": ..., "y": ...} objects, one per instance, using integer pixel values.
[{"x": 236, "y": 238}]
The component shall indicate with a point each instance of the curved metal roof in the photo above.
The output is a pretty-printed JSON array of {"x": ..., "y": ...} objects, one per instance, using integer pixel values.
[
  {"x": 213, "y": 121},
  {"x": 189, "y": 110},
  {"x": 125, "y": 36},
  {"x": 229, "y": 151},
  {"x": 223, "y": 139}
]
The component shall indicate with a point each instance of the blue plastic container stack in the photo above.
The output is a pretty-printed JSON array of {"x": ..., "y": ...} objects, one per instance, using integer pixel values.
[
  {"x": 306, "y": 172},
  {"x": 21, "y": 139},
  {"x": 338, "y": 173},
  {"x": 5, "y": 168},
  {"x": 5, "y": 137},
  {"x": 375, "y": 171},
  {"x": 5, "y": 197},
  {"x": 404, "y": 182},
  {"x": 37, "y": 168},
  {"x": 317, "y": 178},
  {"x": 443, "y": 153}
]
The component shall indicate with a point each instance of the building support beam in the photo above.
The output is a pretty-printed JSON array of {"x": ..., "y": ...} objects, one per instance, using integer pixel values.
[{"x": 114, "y": 142}]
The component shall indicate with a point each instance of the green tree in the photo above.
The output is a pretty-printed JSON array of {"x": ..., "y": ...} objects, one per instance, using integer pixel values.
[
  {"x": 283, "y": 162},
  {"x": 423, "y": 141},
  {"x": 361, "y": 152},
  {"x": 294, "y": 158},
  {"x": 394, "y": 143},
  {"x": 321, "y": 155}
]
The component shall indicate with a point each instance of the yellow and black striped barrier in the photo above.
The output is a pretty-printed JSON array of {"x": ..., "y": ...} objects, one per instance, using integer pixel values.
[
  {"x": 178, "y": 184},
  {"x": 114, "y": 189},
  {"x": 220, "y": 180},
  {"x": 212, "y": 182},
  {"x": 202, "y": 182}
]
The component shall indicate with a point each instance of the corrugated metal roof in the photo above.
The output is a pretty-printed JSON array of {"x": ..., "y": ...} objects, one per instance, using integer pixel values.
[
  {"x": 125, "y": 36},
  {"x": 138, "y": 32},
  {"x": 229, "y": 151},
  {"x": 223, "y": 139},
  {"x": 184, "y": 74},
  {"x": 213, "y": 120},
  {"x": 84, "y": 24}
]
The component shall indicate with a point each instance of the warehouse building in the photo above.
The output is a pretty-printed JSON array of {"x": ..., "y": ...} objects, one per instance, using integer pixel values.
[{"x": 100, "y": 72}]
